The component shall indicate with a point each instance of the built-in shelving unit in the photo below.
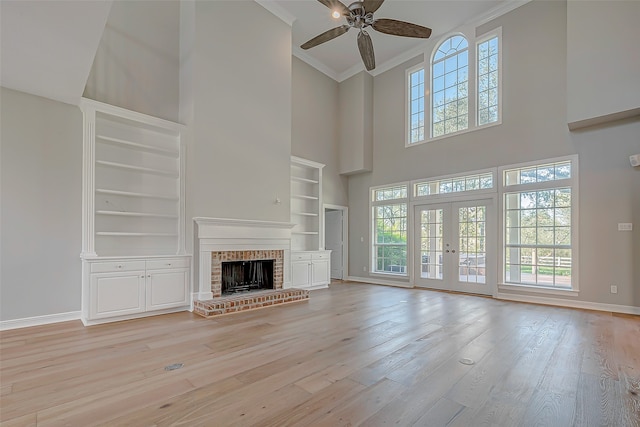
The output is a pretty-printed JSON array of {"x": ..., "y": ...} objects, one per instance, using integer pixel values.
[
  {"x": 306, "y": 204},
  {"x": 310, "y": 264},
  {"x": 133, "y": 225},
  {"x": 133, "y": 183}
]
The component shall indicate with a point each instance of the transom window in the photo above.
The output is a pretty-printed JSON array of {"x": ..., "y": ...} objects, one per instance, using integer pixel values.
[
  {"x": 389, "y": 207},
  {"x": 450, "y": 86},
  {"x": 538, "y": 225},
  {"x": 454, "y": 185}
]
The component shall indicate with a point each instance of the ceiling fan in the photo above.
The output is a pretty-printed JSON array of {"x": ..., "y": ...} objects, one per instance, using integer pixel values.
[{"x": 359, "y": 15}]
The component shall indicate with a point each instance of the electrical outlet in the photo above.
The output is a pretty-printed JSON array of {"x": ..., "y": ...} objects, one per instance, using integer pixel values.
[
  {"x": 625, "y": 226},
  {"x": 614, "y": 289}
]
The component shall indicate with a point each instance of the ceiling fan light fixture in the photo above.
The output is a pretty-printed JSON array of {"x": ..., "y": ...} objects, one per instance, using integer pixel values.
[{"x": 335, "y": 14}]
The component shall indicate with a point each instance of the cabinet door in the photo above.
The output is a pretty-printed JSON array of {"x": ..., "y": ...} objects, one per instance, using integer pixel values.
[
  {"x": 320, "y": 272},
  {"x": 167, "y": 288},
  {"x": 300, "y": 274},
  {"x": 116, "y": 294}
]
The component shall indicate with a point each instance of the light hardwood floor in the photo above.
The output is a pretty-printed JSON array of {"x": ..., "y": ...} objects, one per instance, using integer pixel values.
[{"x": 355, "y": 354}]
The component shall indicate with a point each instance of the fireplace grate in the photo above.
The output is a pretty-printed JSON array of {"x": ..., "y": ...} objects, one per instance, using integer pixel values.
[{"x": 246, "y": 276}]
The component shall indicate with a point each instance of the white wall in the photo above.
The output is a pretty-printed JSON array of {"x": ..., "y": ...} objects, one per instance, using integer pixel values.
[
  {"x": 137, "y": 62},
  {"x": 314, "y": 127},
  {"x": 41, "y": 168},
  {"x": 239, "y": 158},
  {"x": 534, "y": 127},
  {"x": 599, "y": 35},
  {"x": 355, "y": 135}
]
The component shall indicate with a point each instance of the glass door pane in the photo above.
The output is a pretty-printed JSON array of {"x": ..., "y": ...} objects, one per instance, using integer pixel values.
[
  {"x": 472, "y": 254},
  {"x": 431, "y": 243}
]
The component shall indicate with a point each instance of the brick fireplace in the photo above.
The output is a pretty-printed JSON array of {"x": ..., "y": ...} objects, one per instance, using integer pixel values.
[
  {"x": 220, "y": 257},
  {"x": 220, "y": 240}
]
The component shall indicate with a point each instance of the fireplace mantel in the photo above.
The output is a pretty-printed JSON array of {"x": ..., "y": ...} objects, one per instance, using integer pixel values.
[{"x": 227, "y": 234}]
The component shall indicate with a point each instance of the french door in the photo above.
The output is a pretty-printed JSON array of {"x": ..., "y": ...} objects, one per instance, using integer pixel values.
[{"x": 455, "y": 246}]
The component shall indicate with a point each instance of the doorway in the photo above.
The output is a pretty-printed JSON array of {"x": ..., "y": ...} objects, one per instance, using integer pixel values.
[
  {"x": 455, "y": 245},
  {"x": 335, "y": 239}
]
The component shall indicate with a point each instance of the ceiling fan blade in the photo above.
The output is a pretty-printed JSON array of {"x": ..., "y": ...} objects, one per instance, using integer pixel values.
[
  {"x": 365, "y": 45},
  {"x": 326, "y": 36},
  {"x": 372, "y": 5},
  {"x": 401, "y": 28},
  {"x": 336, "y": 5}
]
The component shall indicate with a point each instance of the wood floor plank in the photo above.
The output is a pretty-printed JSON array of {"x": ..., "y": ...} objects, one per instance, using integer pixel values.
[{"x": 354, "y": 354}]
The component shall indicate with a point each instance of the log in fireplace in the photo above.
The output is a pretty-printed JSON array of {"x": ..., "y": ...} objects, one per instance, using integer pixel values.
[{"x": 246, "y": 276}]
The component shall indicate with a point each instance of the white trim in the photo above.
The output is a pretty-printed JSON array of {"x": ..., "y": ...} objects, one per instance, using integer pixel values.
[
  {"x": 47, "y": 319},
  {"x": 408, "y": 100},
  {"x": 302, "y": 55},
  {"x": 503, "y": 8},
  {"x": 572, "y": 182},
  {"x": 278, "y": 11},
  {"x": 497, "y": 33},
  {"x": 585, "y": 305},
  {"x": 227, "y": 234},
  {"x": 464, "y": 195},
  {"x": 352, "y": 71},
  {"x": 533, "y": 289},
  {"x": 400, "y": 59},
  {"x": 375, "y": 281},
  {"x": 345, "y": 235},
  {"x": 86, "y": 322}
]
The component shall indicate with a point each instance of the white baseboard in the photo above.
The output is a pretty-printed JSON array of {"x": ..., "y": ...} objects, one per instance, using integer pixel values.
[
  {"x": 39, "y": 320},
  {"x": 379, "y": 281},
  {"x": 570, "y": 303}
]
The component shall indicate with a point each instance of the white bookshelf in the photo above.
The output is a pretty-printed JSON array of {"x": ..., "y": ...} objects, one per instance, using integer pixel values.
[
  {"x": 310, "y": 264},
  {"x": 133, "y": 183},
  {"x": 133, "y": 224},
  {"x": 306, "y": 204}
]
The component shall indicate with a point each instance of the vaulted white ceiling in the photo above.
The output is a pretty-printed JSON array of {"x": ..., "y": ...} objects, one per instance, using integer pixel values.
[
  {"x": 48, "y": 47},
  {"x": 340, "y": 58}
]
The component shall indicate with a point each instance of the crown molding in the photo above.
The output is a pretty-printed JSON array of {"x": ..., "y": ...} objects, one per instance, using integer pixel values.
[
  {"x": 277, "y": 10},
  {"x": 305, "y": 57},
  {"x": 502, "y": 9}
]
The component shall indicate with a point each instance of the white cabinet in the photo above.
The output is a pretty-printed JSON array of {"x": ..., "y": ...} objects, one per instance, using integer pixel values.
[
  {"x": 133, "y": 214},
  {"x": 117, "y": 294},
  {"x": 310, "y": 269},
  {"x": 123, "y": 289},
  {"x": 310, "y": 264}
]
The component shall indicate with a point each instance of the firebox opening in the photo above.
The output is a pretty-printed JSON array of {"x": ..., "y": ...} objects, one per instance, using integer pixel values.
[{"x": 246, "y": 276}]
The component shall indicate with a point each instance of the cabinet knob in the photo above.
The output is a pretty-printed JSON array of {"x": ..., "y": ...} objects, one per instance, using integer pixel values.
[
  {"x": 142, "y": 277},
  {"x": 148, "y": 275},
  {"x": 119, "y": 266},
  {"x": 169, "y": 264}
]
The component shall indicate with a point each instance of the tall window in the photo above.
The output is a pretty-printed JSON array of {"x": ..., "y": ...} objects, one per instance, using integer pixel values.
[
  {"x": 538, "y": 207},
  {"x": 416, "y": 105},
  {"x": 488, "y": 80},
  {"x": 452, "y": 93},
  {"x": 450, "y": 86},
  {"x": 390, "y": 230}
]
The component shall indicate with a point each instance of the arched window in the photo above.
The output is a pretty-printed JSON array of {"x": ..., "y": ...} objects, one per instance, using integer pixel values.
[{"x": 450, "y": 87}]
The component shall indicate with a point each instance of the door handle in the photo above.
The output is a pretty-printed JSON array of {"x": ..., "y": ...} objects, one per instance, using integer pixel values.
[
  {"x": 453, "y": 251},
  {"x": 447, "y": 251}
]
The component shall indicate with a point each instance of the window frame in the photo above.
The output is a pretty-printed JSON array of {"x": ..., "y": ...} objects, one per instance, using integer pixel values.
[
  {"x": 571, "y": 183},
  {"x": 483, "y": 38},
  {"x": 431, "y": 89},
  {"x": 373, "y": 258},
  {"x": 472, "y": 108},
  {"x": 407, "y": 104}
]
